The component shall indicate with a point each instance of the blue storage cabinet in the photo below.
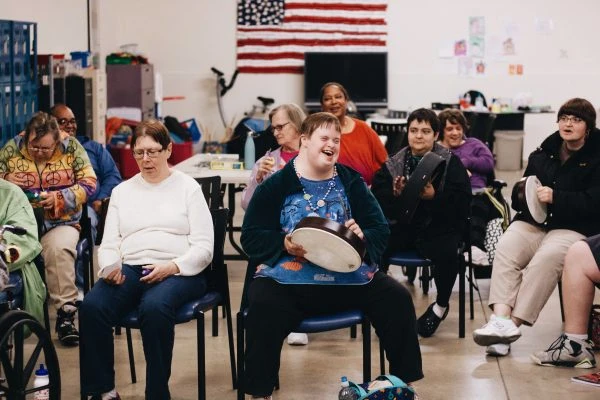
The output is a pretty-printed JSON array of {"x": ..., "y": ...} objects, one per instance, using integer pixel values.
[{"x": 18, "y": 76}]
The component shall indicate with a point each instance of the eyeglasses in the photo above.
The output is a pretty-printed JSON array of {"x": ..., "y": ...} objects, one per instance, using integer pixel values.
[
  {"x": 569, "y": 118},
  {"x": 65, "y": 121},
  {"x": 278, "y": 128},
  {"x": 151, "y": 153},
  {"x": 41, "y": 149}
]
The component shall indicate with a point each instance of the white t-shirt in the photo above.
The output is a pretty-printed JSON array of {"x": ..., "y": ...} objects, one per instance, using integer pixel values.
[{"x": 151, "y": 223}]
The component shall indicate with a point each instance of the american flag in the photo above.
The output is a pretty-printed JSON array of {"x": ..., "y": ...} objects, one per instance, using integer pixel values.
[{"x": 273, "y": 35}]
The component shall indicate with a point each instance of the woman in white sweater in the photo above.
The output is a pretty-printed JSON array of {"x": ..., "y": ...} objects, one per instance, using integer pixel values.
[{"x": 158, "y": 238}]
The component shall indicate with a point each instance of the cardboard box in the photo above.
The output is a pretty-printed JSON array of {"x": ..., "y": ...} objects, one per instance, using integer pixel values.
[{"x": 226, "y": 165}]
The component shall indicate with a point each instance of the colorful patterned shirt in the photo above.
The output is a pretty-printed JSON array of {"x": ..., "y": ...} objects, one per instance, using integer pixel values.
[{"x": 68, "y": 176}]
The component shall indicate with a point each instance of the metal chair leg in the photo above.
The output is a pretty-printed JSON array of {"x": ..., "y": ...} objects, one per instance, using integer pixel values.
[
  {"x": 241, "y": 349},
  {"x": 366, "y": 332},
  {"x": 201, "y": 356},
  {"x": 131, "y": 357}
]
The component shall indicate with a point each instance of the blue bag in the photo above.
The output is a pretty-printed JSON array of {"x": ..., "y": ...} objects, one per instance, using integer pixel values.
[{"x": 396, "y": 389}]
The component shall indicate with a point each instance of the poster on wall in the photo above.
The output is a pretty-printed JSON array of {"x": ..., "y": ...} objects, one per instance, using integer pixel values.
[
  {"x": 465, "y": 66},
  {"x": 477, "y": 37},
  {"x": 460, "y": 48},
  {"x": 508, "y": 47}
]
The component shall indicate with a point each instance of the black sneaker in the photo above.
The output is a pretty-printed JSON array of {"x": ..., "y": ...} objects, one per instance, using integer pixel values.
[
  {"x": 65, "y": 325},
  {"x": 428, "y": 323}
]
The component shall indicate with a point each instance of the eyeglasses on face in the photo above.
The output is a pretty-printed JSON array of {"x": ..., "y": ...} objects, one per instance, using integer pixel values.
[
  {"x": 66, "y": 121},
  {"x": 38, "y": 149},
  {"x": 569, "y": 118},
  {"x": 151, "y": 153},
  {"x": 278, "y": 128}
]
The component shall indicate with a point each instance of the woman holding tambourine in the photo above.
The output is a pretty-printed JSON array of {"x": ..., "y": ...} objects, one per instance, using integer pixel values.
[
  {"x": 425, "y": 193},
  {"x": 286, "y": 287},
  {"x": 561, "y": 209}
]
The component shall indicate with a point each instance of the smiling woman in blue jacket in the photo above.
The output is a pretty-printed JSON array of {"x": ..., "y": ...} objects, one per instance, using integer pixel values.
[{"x": 284, "y": 287}]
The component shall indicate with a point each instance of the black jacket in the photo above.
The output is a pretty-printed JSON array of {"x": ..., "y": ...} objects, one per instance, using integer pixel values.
[
  {"x": 446, "y": 212},
  {"x": 575, "y": 184}
]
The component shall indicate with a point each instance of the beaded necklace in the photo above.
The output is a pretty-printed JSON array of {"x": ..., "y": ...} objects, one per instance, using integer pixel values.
[{"x": 307, "y": 197}]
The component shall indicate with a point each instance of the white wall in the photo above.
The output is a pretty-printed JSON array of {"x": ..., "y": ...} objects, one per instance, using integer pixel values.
[
  {"x": 184, "y": 38},
  {"x": 62, "y": 24}
]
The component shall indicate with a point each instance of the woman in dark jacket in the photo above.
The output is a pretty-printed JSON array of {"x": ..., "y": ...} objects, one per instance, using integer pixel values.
[
  {"x": 440, "y": 219},
  {"x": 286, "y": 288},
  {"x": 568, "y": 167}
]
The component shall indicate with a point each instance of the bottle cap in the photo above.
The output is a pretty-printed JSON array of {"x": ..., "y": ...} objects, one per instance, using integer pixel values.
[{"x": 41, "y": 371}]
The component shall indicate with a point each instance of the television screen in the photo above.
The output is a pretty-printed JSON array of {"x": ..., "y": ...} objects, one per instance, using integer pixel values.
[{"x": 364, "y": 75}]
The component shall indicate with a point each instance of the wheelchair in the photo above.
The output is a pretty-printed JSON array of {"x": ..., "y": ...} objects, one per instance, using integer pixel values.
[{"x": 24, "y": 342}]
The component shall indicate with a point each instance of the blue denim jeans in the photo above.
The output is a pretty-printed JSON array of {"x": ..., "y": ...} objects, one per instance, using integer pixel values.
[{"x": 106, "y": 304}]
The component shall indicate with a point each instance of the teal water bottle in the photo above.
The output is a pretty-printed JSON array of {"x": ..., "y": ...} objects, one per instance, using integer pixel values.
[{"x": 249, "y": 152}]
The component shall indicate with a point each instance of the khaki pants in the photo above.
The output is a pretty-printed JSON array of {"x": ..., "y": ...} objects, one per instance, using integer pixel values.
[
  {"x": 527, "y": 266},
  {"x": 59, "y": 252}
]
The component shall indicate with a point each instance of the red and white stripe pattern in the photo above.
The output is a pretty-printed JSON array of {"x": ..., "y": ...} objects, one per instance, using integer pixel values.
[{"x": 272, "y": 36}]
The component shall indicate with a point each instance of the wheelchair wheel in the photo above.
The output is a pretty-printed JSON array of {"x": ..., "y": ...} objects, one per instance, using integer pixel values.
[{"x": 20, "y": 356}]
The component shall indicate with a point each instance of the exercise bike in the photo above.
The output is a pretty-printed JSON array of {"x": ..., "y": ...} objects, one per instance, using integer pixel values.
[{"x": 24, "y": 342}]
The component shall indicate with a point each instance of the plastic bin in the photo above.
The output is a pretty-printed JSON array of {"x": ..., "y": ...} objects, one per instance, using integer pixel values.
[{"x": 508, "y": 148}]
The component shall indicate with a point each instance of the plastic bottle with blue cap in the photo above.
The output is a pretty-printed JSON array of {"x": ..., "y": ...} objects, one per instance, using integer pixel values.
[
  {"x": 347, "y": 392},
  {"x": 41, "y": 379}
]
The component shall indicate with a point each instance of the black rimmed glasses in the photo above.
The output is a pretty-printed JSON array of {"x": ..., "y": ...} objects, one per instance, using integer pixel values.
[
  {"x": 66, "y": 121},
  {"x": 38, "y": 149},
  {"x": 278, "y": 128},
  {"x": 151, "y": 153},
  {"x": 569, "y": 118}
]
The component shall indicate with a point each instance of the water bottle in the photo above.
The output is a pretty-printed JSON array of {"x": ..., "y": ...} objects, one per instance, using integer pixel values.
[
  {"x": 249, "y": 156},
  {"x": 347, "y": 392},
  {"x": 41, "y": 379},
  {"x": 479, "y": 102}
]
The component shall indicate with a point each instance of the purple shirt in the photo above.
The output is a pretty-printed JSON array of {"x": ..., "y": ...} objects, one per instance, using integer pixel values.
[{"x": 478, "y": 159}]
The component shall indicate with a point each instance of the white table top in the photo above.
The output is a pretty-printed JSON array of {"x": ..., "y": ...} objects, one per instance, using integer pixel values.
[
  {"x": 194, "y": 167},
  {"x": 387, "y": 120}
]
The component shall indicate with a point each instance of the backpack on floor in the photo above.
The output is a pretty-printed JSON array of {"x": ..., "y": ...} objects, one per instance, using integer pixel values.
[{"x": 395, "y": 389}]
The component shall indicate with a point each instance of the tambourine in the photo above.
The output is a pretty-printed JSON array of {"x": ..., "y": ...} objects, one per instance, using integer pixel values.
[
  {"x": 428, "y": 168},
  {"x": 329, "y": 244},
  {"x": 525, "y": 194}
]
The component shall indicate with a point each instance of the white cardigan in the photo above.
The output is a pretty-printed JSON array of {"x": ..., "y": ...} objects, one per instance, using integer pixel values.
[{"x": 157, "y": 223}]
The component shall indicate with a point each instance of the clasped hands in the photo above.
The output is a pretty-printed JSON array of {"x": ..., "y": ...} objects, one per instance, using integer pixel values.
[
  {"x": 427, "y": 193},
  {"x": 158, "y": 273},
  {"x": 298, "y": 251}
]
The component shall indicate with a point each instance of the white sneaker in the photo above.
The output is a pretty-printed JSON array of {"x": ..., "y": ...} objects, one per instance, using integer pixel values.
[
  {"x": 479, "y": 257},
  {"x": 498, "y": 349},
  {"x": 298, "y": 339},
  {"x": 497, "y": 330}
]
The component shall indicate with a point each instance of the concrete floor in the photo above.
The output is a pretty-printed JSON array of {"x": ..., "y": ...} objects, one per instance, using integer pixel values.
[{"x": 454, "y": 368}]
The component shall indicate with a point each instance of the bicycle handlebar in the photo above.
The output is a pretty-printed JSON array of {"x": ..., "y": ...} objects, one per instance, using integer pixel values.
[
  {"x": 216, "y": 71},
  {"x": 225, "y": 88}
]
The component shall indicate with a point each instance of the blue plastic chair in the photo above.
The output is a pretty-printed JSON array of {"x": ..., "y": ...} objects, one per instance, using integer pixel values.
[
  {"x": 321, "y": 323},
  {"x": 218, "y": 293},
  {"x": 411, "y": 259}
]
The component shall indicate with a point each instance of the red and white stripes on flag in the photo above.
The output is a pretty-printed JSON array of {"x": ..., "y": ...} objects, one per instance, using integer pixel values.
[{"x": 273, "y": 35}]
